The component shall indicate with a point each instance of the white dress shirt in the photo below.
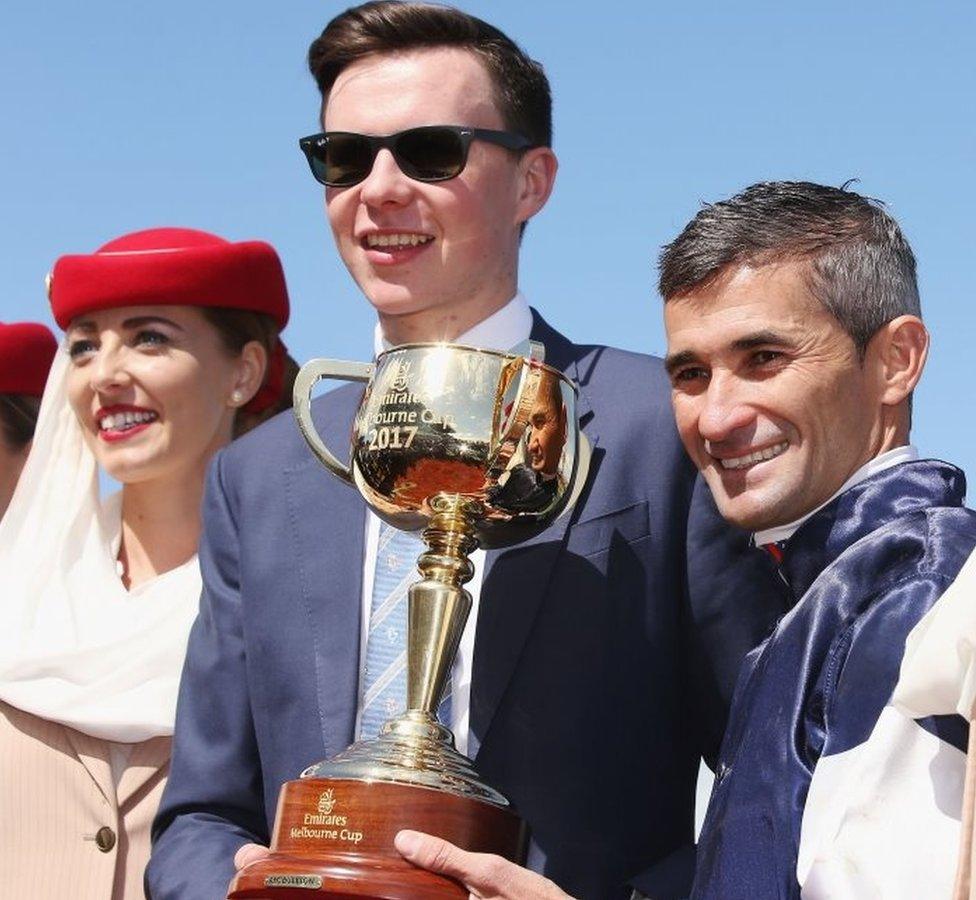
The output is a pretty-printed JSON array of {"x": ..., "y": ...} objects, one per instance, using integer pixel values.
[
  {"x": 503, "y": 330},
  {"x": 881, "y": 462}
]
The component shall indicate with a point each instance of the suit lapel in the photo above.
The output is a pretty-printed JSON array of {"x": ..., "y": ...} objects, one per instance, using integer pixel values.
[
  {"x": 516, "y": 579},
  {"x": 147, "y": 760},
  {"x": 328, "y": 520},
  {"x": 93, "y": 754}
]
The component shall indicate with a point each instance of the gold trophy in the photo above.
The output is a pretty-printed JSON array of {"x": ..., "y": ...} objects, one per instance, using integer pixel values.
[{"x": 476, "y": 448}]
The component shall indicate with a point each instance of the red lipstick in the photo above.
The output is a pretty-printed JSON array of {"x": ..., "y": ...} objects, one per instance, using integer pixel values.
[{"x": 122, "y": 421}]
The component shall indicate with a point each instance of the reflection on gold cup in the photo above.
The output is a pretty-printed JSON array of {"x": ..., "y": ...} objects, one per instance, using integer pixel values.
[
  {"x": 440, "y": 418},
  {"x": 477, "y": 448}
]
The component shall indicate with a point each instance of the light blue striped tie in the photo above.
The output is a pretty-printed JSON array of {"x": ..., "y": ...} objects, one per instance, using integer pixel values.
[{"x": 385, "y": 673}]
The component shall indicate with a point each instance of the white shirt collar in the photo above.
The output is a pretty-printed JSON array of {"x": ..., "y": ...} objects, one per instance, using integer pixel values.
[
  {"x": 881, "y": 462},
  {"x": 502, "y": 330}
]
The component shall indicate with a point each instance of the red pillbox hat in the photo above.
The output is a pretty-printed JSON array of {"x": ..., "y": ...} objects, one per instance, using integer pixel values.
[
  {"x": 170, "y": 267},
  {"x": 26, "y": 352}
]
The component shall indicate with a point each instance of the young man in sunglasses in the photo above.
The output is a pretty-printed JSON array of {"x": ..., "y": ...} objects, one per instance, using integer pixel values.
[{"x": 582, "y": 690}]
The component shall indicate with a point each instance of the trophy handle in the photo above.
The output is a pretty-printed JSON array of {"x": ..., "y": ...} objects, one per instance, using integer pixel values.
[
  {"x": 308, "y": 376},
  {"x": 505, "y": 425}
]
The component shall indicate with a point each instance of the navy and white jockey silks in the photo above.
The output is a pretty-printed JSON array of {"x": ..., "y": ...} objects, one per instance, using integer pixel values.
[
  {"x": 862, "y": 571},
  {"x": 882, "y": 819}
]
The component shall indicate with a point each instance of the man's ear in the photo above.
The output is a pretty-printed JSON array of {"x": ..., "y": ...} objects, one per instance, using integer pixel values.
[
  {"x": 902, "y": 346},
  {"x": 537, "y": 171}
]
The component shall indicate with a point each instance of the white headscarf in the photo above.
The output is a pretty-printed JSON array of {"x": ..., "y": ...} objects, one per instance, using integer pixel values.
[
  {"x": 938, "y": 671},
  {"x": 76, "y": 647}
]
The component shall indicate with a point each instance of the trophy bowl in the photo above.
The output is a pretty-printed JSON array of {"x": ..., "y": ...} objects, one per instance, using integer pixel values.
[
  {"x": 473, "y": 448},
  {"x": 491, "y": 427}
]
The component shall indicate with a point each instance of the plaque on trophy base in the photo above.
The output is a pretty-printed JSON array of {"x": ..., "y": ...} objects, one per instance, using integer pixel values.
[
  {"x": 358, "y": 859},
  {"x": 476, "y": 448}
]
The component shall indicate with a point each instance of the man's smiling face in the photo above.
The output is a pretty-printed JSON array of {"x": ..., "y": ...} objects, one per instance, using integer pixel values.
[
  {"x": 771, "y": 400},
  {"x": 442, "y": 254}
]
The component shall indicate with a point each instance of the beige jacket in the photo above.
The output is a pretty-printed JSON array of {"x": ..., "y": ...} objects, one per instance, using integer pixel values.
[{"x": 65, "y": 830}]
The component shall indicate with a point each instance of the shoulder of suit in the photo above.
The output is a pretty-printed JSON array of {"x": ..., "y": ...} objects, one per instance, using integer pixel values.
[
  {"x": 278, "y": 443},
  {"x": 601, "y": 360},
  {"x": 586, "y": 355},
  {"x": 616, "y": 354},
  {"x": 624, "y": 379}
]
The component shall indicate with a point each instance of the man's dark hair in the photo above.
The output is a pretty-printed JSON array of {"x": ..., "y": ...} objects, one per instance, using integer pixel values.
[
  {"x": 388, "y": 26},
  {"x": 859, "y": 264}
]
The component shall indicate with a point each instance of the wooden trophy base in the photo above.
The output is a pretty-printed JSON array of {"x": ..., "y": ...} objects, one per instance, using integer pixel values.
[{"x": 334, "y": 838}]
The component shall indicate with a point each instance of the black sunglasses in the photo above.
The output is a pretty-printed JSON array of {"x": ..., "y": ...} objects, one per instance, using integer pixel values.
[{"x": 428, "y": 153}]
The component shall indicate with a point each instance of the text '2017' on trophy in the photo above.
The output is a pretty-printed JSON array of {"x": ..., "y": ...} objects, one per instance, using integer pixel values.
[{"x": 477, "y": 448}]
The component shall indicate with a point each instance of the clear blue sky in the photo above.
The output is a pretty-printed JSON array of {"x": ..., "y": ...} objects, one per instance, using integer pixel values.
[{"x": 121, "y": 115}]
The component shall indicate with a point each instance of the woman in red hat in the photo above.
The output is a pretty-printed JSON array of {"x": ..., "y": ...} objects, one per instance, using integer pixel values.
[
  {"x": 26, "y": 352},
  {"x": 171, "y": 349}
]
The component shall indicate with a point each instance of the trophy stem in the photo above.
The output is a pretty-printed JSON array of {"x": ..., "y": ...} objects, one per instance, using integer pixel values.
[{"x": 439, "y": 605}]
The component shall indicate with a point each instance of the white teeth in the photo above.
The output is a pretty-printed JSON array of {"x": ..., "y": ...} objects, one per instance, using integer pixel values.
[
  {"x": 740, "y": 462},
  {"x": 411, "y": 239},
  {"x": 123, "y": 420}
]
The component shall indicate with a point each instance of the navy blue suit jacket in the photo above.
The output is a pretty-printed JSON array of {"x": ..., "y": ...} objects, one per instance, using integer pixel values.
[{"x": 593, "y": 691}]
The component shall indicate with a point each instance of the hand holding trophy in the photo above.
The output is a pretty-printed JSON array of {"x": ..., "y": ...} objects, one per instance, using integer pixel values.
[{"x": 477, "y": 448}]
